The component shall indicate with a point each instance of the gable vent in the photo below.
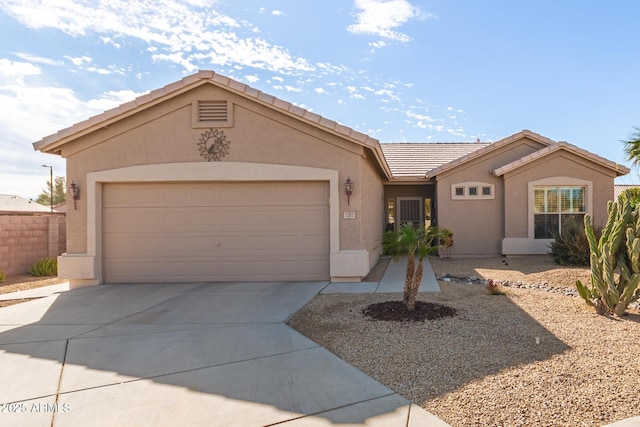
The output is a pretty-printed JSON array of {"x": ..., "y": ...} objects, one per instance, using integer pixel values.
[{"x": 212, "y": 111}]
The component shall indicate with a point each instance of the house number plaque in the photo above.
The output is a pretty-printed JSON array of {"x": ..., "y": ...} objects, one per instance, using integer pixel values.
[{"x": 349, "y": 215}]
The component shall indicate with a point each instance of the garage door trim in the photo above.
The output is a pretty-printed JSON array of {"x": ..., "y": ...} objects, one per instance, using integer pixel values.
[{"x": 199, "y": 172}]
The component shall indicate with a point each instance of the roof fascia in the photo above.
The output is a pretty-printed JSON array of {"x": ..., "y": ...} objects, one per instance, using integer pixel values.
[
  {"x": 619, "y": 169},
  {"x": 52, "y": 143},
  {"x": 525, "y": 133}
]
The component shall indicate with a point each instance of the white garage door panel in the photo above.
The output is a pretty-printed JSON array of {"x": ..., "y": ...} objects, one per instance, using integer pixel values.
[{"x": 168, "y": 232}]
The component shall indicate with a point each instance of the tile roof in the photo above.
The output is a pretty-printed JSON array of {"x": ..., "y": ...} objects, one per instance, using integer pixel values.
[
  {"x": 52, "y": 142},
  {"x": 415, "y": 160},
  {"x": 525, "y": 133},
  {"x": 562, "y": 145},
  {"x": 16, "y": 204},
  {"x": 397, "y": 160}
]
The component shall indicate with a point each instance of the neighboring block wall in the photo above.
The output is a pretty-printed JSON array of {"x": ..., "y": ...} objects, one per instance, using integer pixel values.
[{"x": 26, "y": 239}]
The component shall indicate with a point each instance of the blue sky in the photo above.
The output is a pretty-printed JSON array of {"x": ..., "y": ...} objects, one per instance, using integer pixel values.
[{"x": 398, "y": 70}]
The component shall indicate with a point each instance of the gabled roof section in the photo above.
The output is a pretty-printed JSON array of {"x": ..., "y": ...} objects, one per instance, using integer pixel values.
[
  {"x": 414, "y": 160},
  {"x": 617, "y": 168},
  {"x": 489, "y": 148},
  {"x": 52, "y": 143}
]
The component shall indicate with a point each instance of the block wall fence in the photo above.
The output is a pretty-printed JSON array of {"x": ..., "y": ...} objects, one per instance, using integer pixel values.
[{"x": 26, "y": 239}]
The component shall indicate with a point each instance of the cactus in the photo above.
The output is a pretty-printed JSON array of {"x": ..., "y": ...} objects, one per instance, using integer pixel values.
[{"x": 617, "y": 248}]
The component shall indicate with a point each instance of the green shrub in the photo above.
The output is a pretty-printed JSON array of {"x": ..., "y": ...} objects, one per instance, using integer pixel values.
[
  {"x": 633, "y": 196},
  {"x": 2, "y": 276},
  {"x": 45, "y": 267},
  {"x": 571, "y": 247}
]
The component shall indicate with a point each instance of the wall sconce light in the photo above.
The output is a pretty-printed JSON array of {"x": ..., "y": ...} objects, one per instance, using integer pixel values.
[
  {"x": 348, "y": 189},
  {"x": 75, "y": 193}
]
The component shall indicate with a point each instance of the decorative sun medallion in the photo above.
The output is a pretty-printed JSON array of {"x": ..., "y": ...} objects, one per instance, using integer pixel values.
[{"x": 213, "y": 145}]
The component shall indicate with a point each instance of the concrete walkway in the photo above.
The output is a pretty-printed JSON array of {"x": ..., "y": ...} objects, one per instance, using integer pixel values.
[
  {"x": 44, "y": 291},
  {"x": 192, "y": 354},
  {"x": 392, "y": 281}
]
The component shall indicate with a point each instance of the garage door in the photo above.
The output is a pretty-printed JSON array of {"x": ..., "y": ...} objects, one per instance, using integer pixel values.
[{"x": 204, "y": 232}]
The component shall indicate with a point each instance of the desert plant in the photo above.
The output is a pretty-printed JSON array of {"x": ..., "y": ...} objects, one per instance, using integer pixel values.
[
  {"x": 410, "y": 241},
  {"x": 571, "y": 247},
  {"x": 493, "y": 288},
  {"x": 633, "y": 194},
  {"x": 446, "y": 241},
  {"x": 2, "y": 276},
  {"x": 618, "y": 247},
  {"x": 45, "y": 267}
]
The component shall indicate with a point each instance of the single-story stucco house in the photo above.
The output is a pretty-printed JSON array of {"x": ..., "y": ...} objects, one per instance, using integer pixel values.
[{"x": 208, "y": 179}]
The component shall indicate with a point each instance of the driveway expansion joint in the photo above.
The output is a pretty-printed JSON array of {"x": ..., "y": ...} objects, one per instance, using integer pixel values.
[{"x": 334, "y": 409}]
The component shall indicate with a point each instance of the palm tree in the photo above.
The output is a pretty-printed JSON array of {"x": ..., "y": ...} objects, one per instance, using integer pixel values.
[
  {"x": 632, "y": 147},
  {"x": 411, "y": 241}
]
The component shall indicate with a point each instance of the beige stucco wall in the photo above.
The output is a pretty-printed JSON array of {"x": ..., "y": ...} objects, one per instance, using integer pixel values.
[
  {"x": 372, "y": 214},
  {"x": 163, "y": 134},
  {"x": 478, "y": 225}
]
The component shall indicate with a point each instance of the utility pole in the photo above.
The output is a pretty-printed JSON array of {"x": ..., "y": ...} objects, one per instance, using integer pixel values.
[{"x": 50, "y": 185}]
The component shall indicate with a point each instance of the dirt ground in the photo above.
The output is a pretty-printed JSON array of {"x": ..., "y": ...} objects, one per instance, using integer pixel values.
[
  {"x": 527, "y": 358},
  {"x": 527, "y": 269}
]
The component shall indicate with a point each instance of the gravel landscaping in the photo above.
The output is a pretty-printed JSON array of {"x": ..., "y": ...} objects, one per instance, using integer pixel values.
[{"x": 532, "y": 357}]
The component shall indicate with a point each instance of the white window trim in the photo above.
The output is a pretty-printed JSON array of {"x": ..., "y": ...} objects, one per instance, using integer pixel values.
[
  {"x": 467, "y": 196},
  {"x": 556, "y": 181}
]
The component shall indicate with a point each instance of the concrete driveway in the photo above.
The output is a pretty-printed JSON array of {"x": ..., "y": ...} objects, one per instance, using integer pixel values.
[{"x": 195, "y": 354}]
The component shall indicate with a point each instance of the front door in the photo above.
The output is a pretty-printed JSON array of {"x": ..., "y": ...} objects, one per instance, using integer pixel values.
[{"x": 410, "y": 211}]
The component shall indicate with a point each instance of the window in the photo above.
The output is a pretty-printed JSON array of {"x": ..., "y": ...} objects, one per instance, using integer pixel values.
[
  {"x": 554, "y": 207},
  {"x": 427, "y": 213},
  {"x": 472, "y": 191},
  {"x": 391, "y": 211}
]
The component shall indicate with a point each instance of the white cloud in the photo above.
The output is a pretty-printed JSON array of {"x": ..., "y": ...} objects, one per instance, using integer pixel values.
[
  {"x": 110, "y": 69},
  {"x": 386, "y": 92},
  {"x": 79, "y": 61},
  {"x": 85, "y": 63},
  {"x": 37, "y": 59},
  {"x": 321, "y": 91},
  {"x": 31, "y": 108},
  {"x": 252, "y": 79},
  {"x": 110, "y": 41},
  {"x": 17, "y": 70},
  {"x": 292, "y": 88},
  {"x": 417, "y": 116},
  {"x": 111, "y": 99},
  {"x": 181, "y": 33},
  {"x": 277, "y": 13},
  {"x": 382, "y": 17}
]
